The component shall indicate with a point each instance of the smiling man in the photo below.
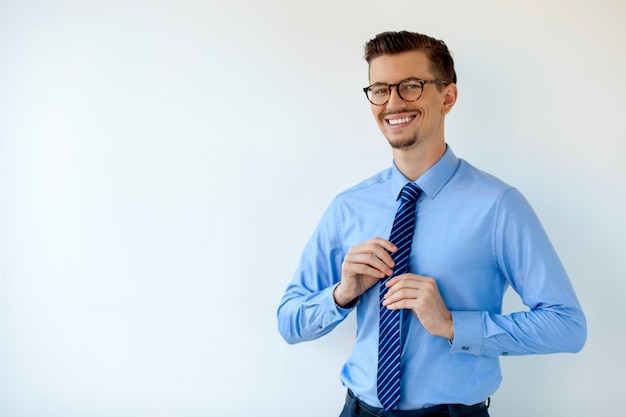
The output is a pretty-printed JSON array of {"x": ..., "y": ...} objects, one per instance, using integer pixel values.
[{"x": 423, "y": 252}]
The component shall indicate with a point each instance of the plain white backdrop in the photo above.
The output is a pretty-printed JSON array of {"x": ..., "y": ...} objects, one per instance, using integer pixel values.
[{"x": 162, "y": 164}]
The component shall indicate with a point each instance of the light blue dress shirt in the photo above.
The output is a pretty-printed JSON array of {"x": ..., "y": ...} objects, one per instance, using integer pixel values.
[{"x": 475, "y": 235}]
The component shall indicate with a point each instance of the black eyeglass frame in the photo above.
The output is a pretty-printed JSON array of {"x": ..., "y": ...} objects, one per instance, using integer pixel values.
[{"x": 417, "y": 80}]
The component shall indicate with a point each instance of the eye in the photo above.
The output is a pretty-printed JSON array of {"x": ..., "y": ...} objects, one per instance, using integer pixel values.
[
  {"x": 380, "y": 90},
  {"x": 410, "y": 85}
]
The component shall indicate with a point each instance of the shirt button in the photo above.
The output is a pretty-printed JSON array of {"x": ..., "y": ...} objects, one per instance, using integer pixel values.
[
  {"x": 505, "y": 353},
  {"x": 465, "y": 348}
]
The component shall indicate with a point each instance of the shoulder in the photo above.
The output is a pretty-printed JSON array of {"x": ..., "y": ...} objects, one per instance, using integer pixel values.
[
  {"x": 475, "y": 189},
  {"x": 363, "y": 200},
  {"x": 486, "y": 189},
  {"x": 357, "y": 205},
  {"x": 474, "y": 180},
  {"x": 366, "y": 188}
]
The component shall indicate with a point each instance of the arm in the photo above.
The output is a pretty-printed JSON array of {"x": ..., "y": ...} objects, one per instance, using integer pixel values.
[
  {"x": 327, "y": 284},
  {"x": 524, "y": 254},
  {"x": 308, "y": 310}
]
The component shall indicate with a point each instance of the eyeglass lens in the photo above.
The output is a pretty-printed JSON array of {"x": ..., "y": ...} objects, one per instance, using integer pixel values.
[{"x": 408, "y": 90}]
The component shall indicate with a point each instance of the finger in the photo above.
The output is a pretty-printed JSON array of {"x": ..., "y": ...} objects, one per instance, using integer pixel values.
[
  {"x": 400, "y": 295},
  {"x": 371, "y": 260},
  {"x": 379, "y": 251},
  {"x": 383, "y": 256},
  {"x": 376, "y": 244},
  {"x": 376, "y": 241},
  {"x": 398, "y": 305},
  {"x": 409, "y": 279},
  {"x": 384, "y": 243},
  {"x": 354, "y": 269},
  {"x": 410, "y": 286}
]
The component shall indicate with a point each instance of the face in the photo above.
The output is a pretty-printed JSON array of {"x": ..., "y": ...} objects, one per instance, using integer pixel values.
[{"x": 410, "y": 124}]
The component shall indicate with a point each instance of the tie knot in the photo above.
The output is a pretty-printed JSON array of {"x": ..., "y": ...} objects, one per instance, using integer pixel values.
[{"x": 410, "y": 192}]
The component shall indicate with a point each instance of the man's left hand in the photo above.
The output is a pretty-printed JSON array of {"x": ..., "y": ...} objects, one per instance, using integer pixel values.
[{"x": 421, "y": 295}]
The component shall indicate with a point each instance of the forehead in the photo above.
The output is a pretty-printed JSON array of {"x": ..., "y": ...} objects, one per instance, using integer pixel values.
[{"x": 397, "y": 67}]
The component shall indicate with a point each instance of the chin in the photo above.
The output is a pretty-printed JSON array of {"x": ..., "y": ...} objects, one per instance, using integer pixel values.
[{"x": 403, "y": 143}]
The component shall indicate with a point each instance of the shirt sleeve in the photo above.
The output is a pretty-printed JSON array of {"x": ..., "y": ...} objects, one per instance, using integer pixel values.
[
  {"x": 308, "y": 310},
  {"x": 524, "y": 254}
]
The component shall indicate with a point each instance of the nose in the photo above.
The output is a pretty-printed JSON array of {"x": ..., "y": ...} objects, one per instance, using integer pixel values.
[{"x": 394, "y": 98}]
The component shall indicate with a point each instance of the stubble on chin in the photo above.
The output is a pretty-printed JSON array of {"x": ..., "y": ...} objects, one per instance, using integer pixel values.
[{"x": 404, "y": 143}]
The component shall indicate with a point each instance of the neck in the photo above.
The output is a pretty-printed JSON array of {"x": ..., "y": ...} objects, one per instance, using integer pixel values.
[{"x": 413, "y": 162}]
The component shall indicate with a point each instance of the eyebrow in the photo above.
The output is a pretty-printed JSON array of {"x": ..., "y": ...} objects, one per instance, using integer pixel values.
[{"x": 402, "y": 80}]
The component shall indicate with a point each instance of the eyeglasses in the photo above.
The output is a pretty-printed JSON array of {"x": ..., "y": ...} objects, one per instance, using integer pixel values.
[{"x": 408, "y": 90}]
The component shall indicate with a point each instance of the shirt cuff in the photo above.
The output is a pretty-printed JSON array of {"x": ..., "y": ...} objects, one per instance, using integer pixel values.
[
  {"x": 468, "y": 332},
  {"x": 331, "y": 310}
]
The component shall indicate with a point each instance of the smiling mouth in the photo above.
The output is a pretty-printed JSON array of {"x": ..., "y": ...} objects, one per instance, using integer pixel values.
[{"x": 397, "y": 122}]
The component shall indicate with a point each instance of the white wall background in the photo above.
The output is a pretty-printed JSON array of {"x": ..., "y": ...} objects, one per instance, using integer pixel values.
[{"x": 162, "y": 164}]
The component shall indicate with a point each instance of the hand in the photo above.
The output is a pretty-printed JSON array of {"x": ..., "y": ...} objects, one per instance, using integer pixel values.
[
  {"x": 422, "y": 296},
  {"x": 364, "y": 265}
]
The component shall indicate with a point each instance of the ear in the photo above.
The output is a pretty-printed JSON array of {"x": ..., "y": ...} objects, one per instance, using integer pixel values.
[{"x": 449, "y": 99}]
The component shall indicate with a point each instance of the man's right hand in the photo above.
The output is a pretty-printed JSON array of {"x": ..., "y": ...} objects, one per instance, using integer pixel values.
[{"x": 364, "y": 265}]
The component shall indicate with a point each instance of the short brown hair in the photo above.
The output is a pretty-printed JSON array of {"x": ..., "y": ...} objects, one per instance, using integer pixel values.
[{"x": 389, "y": 43}]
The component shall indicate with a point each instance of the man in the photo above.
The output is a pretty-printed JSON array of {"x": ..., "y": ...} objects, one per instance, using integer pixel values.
[{"x": 469, "y": 237}]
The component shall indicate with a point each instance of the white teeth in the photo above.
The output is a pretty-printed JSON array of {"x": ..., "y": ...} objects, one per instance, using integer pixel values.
[{"x": 399, "y": 121}]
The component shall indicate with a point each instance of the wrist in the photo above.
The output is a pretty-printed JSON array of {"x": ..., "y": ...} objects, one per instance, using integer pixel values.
[
  {"x": 342, "y": 299},
  {"x": 449, "y": 334}
]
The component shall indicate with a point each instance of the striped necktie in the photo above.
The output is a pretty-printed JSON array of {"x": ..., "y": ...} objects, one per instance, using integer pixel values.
[{"x": 389, "y": 345}]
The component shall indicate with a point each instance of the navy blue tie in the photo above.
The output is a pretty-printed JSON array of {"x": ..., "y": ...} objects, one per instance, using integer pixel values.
[{"x": 389, "y": 345}]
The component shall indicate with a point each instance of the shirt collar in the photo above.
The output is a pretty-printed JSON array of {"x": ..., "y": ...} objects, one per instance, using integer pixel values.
[{"x": 431, "y": 181}]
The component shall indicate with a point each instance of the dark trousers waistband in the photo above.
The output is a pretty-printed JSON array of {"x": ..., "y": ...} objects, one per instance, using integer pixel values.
[{"x": 360, "y": 408}]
